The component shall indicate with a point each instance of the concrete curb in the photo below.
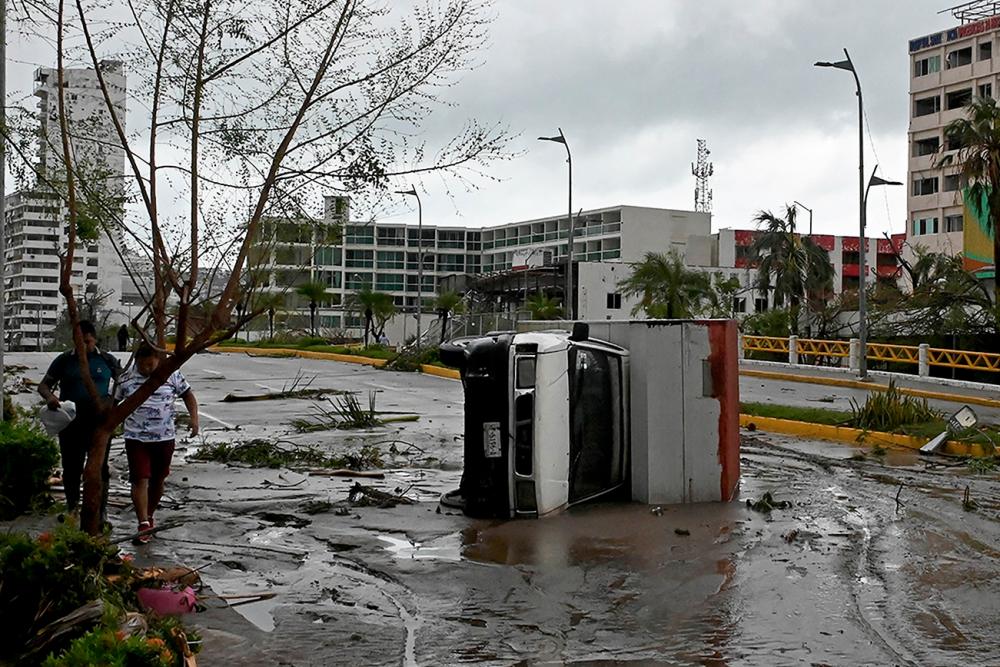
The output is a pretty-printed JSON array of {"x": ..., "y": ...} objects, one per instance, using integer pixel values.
[
  {"x": 853, "y": 436},
  {"x": 441, "y": 372},
  {"x": 871, "y": 386},
  {"x": 302, "y": 354}
]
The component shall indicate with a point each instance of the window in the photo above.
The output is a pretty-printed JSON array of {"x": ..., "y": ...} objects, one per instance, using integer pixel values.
[
  {"x": 925, "y": 186},
  {"x": 925, "y": 226},
  {"x": 953, "y": 223},
  {"x": 451, "y": 239},
  {"x": 985, "y": 50},
  {"x": 354, "y": 281},
  {"x": 951, "y": 182},
  {"x": 390, "y": 259},
  {"x": 391, "y": 236},
  {"x": 596, "y": 450},
  {"x": 454, "y": 263},
  {"x": 389, "y": 282},
  {"x": 328, "y": 256},
  {"x": 927, "y": 106},
  {"x": 986, "y": 90},
  {"x": 954, "y": 143},
  {"x": 360, "y": 234},
  {"x": 739, "y": 304},
  {"x": 614, "y": 301},
  {"x": 359, "y": 259},
  {"x": 927, "y": 66},
  {"x": 959, "y": 57},
  {"x": 428, "y": 237},
  {"x": 958, "y": 98},
  {"x": 926, "y": 146},
  {"x": 760, "y": 304}
]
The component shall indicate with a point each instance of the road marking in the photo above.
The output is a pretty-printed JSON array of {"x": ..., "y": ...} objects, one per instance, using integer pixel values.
[
  {"x": 216, "y": 419},
  {"x": 209, "y": 370}
]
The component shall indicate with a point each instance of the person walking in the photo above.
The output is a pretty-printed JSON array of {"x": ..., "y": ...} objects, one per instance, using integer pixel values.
[
  {"x": 76, "y": 439},
  {"x": 150, "y": 435},
  {"x": 123, "y": 338}
]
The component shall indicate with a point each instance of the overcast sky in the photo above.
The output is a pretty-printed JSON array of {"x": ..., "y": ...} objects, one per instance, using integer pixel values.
[{"x": 634, "y": 83}]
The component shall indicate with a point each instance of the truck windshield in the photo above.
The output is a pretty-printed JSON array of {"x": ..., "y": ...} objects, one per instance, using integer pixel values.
[{"x": 595, "y": 402}]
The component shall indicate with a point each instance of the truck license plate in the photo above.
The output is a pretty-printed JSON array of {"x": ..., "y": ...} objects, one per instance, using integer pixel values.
[{"x": 491, "y": 440}]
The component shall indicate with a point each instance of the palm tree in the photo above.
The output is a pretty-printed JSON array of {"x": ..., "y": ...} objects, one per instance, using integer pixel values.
[
  {"x": 666, "y": 288},
  {"x": 543, "y": 307},
  {"x": 315, "y": 292},
  {"x": 376, "y": 307},
  {"x": 789, "y": 264},
  {"x": 978, "y": 134},
  {"x": 446, "y": 304}
]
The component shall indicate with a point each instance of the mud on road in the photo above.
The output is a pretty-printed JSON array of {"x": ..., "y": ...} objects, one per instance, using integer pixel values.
[{"x": 875, "y": 562}]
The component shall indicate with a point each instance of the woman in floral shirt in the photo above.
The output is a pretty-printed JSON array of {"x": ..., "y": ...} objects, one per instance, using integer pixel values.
[{"x": 149, "y": 434}]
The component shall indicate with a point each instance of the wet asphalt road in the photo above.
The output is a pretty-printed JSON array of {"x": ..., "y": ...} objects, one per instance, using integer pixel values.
[{"x": 876, "y": 562}]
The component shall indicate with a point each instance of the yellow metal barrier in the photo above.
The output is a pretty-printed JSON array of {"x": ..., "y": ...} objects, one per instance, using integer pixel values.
[
  {"x": 814, "y": 347},
  {"x": 980, "y": 361},
  {"x": 904, "y": 354},
  {"x": 900, "y": 354},
  {"x": 765, "y": 344}
]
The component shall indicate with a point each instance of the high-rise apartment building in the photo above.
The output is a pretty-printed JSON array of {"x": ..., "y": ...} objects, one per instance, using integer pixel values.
[
  {"x": 947, "y": 70},
  {"x": 36, "y": 220}
]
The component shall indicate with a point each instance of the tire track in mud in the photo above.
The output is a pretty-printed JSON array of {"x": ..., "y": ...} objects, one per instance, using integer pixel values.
[{"x": 891, "y": 605}]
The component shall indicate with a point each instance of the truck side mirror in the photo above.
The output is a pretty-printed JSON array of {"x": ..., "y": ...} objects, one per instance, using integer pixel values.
[{"x": 581, "y": 331}]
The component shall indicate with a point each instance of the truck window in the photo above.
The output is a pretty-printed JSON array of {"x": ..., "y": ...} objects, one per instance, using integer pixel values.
[{"x": 595, "y": 454}]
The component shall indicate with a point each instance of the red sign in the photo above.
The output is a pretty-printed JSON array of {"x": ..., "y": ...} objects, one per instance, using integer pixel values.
[
  {"x": 824, "y": 241},
  {"x": 851, "y": 270},
  {"x": 992, "y": 23},
  {"x": 743, "y": 236}
]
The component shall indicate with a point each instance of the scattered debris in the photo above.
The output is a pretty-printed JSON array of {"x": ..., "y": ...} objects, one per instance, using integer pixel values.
[
  {"x": 347, "y": 472},
  {"x": 312, "y": 507},
  {"x": 347, "y": 413},
  {"x": 682, "y": 531},
  {"x": 968, "y": 504},
  {"x": 282, "y": 520},
  {"x": 658, "y": 511},
  {"x": 768, "y": 503},
  {"x": 369, "y": 496},
  {"x": 261, "y": 453},
  {"x": 791, "y": 535}
]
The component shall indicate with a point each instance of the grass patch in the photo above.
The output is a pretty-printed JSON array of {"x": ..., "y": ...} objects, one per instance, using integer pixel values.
[
  {"x": 266, "y": 454},
  {"x": 811, "y": 415},
  {"x": 987, "y": 435}
]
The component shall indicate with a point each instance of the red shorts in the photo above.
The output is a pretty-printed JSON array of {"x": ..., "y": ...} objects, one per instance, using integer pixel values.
[{"x": 148, "y": 460}]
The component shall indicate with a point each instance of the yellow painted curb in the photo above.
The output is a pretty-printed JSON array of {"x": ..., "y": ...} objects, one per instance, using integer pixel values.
[
  {"x": 853, "y": 435},
  {"x": 872, "y": 386},
  {"x": 302, "y": 354},
  {"x": 449, "y": 373}
]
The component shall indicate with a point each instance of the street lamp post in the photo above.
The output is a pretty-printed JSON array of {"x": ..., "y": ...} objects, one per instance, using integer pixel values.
[
  {"x": 805, "y": 286},
  {"x": 561, "y": 139},
  {"x": 848, "y": 65},
  {"x": 420, "y": 255}
]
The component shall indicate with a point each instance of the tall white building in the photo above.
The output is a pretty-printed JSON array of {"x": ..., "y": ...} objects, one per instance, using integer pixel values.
[
  {"x": 947, "y": 70},
  {"x": 36, "y": 221}
]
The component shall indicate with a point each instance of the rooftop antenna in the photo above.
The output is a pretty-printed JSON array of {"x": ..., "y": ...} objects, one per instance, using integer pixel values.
[
  {"x": 702, "y": 170},
  {"x": 970, "y": 12}
]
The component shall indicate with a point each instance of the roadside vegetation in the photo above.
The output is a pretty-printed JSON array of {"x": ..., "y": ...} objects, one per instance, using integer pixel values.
[
  {"x": 269, "y": 454},
  {"x": 897, "y": 415},
  {"x": 70, "y": 599}
]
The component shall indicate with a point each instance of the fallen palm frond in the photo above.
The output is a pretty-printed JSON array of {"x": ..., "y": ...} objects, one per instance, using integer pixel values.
[
  {"x": 280, "y": 395},
  {"x": 368, "y": 496},
  {"x": 261, "y": 453},
  {"x": 346, "y": 412}
]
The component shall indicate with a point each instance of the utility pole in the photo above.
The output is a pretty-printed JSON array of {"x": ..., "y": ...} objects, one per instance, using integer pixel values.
[{"x": 3, "y": 197}]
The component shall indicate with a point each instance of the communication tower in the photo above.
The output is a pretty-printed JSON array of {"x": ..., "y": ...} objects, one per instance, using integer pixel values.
[{"x": 702, "y": 170}]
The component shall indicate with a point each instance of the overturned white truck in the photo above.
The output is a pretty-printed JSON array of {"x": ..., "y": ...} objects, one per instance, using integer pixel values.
[{"x": 644, "y": 410}]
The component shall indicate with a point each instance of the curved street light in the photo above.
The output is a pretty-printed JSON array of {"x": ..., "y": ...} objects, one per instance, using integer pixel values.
[
  {"x": 412, "y": 192},
  {"x": 561, "y": 139}
]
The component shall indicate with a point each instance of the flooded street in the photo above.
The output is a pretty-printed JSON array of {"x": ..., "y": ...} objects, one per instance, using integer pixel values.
[{"x": 875, "y": 562}]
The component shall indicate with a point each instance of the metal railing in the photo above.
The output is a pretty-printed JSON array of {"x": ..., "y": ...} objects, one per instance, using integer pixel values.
[{"x": 922, "y": 356}]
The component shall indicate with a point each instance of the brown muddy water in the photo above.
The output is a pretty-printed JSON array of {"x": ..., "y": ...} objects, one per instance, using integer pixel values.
[{"x": 875, "y": 563}]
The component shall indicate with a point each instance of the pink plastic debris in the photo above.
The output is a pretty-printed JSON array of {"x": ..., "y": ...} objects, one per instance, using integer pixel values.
[{"x": 167, "y": 601}]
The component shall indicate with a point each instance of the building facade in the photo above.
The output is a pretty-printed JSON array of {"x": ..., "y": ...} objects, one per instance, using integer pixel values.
[
  {"x": 36, "y": 228},
  {"x": 948, "y": 69}
]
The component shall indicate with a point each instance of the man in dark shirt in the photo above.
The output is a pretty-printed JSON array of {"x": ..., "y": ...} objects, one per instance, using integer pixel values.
[{"x": 75, "y": 439}]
